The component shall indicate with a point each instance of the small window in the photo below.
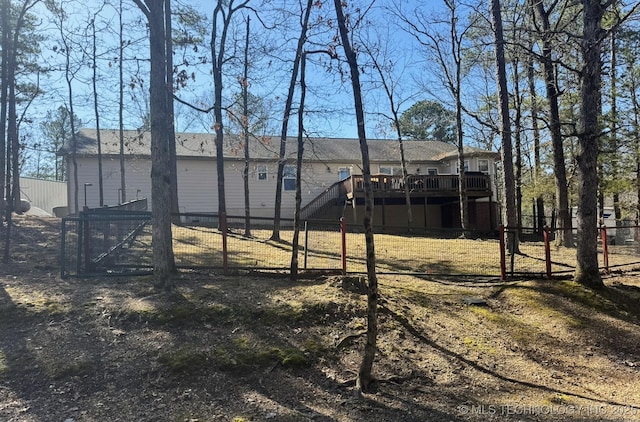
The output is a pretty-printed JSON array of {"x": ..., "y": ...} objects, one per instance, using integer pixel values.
[
  {"x": 289, "y": 178},
  {"x": 432, "y": 172},
  {"x": 466, "y": 166},
  {"x": 483, "y": 166},
  {"x": 343, "y": 173},
  {"x": 262, "y": 172},
  {"x": 391, "y": 171}
]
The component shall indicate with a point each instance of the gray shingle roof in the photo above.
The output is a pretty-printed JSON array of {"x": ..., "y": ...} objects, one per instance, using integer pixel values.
[{"x": 202, "y": 145}]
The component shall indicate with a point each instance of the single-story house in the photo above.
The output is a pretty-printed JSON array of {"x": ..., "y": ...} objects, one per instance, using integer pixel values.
[{"x": 331, "y": 177}]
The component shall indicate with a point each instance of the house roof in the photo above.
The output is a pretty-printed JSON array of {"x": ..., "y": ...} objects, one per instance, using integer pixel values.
[{"x": 202, "y": 145}]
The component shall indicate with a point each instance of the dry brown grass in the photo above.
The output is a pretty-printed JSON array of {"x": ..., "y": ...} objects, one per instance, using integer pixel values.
[{"x": 394, "y": 253}]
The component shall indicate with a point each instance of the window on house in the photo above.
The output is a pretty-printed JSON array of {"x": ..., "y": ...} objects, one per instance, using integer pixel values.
[
  {"x": 343, "y": 173},
  {"x": 483, "y": 166},
  {"x": 432, "y": 172},
  {"x": 392, "y": 171},
  {"x": 262, "y": 172},
  {"x": 466, "y": 166},
  {"x": 289, "y": 178}
]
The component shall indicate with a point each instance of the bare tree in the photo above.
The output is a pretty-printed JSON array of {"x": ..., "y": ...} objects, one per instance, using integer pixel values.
[
  {"x": 511, "y": 216},
  {"x": 365, "y": 377},
  {"x": 384, "y": 68},
  {"x": 245, "y": 133},
  {"x": 222, "y": 19},
  {"x": 517, "y": 136},
  {"x": 449, "y": 54},
  {"x": 612, "y": 147},
  {"x": 304, "y": 26},
  {"x": 537, "y": 167},
  {"x": 555, "y": 127},
  {"x": 296, "y": 216},
  {"x": 94, "y": 83}
]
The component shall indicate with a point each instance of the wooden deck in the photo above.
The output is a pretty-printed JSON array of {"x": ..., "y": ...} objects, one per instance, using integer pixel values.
[
  {"x": 478, "y": 185},
  {"x": 422, "y": 188}
]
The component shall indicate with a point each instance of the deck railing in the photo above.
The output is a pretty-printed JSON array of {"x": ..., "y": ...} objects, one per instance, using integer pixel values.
[{"x": 422, "y": 183}]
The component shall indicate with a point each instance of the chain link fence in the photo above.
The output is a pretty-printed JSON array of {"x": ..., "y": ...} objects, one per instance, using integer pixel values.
[
  {"x": 119, "y": 242},
  {"x": 544, "y": 255},
  {"x": 114, "y": 240}
]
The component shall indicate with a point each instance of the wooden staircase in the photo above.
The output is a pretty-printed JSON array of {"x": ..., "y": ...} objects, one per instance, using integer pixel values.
[{"x": 336, "y": 194}]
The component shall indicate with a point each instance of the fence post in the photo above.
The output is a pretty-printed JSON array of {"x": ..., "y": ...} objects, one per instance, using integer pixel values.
[
  {"x": 79, "y": 246},
  {"x": 306, "y": 243},
  {"x": 547, "y": 251},
  {"x": 225, "y": 252},
  {"x": 87, "y": 241},
  {"x": 343, "y": 255},
  {"x": 63, "y": 244},
  {"x": 503, "y": 256},
  {"x": 605, "y": 247}
]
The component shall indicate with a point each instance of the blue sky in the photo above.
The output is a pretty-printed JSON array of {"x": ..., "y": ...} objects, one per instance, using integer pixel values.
[{"x": 329, "y": 100}]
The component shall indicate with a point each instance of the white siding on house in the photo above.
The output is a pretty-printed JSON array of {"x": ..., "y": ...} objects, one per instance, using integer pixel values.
[
  {"x": 198, "y": 186},
  {"x": 136, "y": 177},
  {"x": 324, "y": 163}
]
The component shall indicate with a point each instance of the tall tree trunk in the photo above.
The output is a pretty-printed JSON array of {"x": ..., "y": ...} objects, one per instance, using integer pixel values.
[
  {"x": 171, "y": 128},
  {"x": 13, "y": 144},
  {"x": 94, "y": 83},
  {"x": 613, "y": 147},
  {"x": 296, "y": 216},
  {"x": 275, "y": 235},
  {"x": 13, "y": 197},
  {"x": 635, "y": 103},
  {"x": 587, "y": 272},
  {"x": 217, "y": 47},
  {"x": 163, "y": 259},
  {"x": 4, "y": 87},
  {"x": 537, "y": 167},
  {"x": 517, "y": 124},
  {"x": 462, "y": 185},
  {"x": 456, "y": 89},
  {"x": 123, "y": 180},
  {"x": 365, "y": 377},
  {"x": 245, "y": 133},
  {"x": 505, "y": 125},
  {"x": 565, "y": 237}
]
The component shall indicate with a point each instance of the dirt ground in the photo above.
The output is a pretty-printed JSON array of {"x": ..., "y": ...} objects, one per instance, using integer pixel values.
[{"x": 266, "y": 349}]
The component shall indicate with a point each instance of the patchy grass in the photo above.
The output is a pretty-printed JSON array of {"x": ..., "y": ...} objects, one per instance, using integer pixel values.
[
  {"x": 65, "y": 369},
  {"x": 31, "y": 301},
  {"x": 241, "y": 354},
  {"x": 3, "y": 363},
  {"x": 186, "y": 359},
  {"x": 261, "y": 349}
]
